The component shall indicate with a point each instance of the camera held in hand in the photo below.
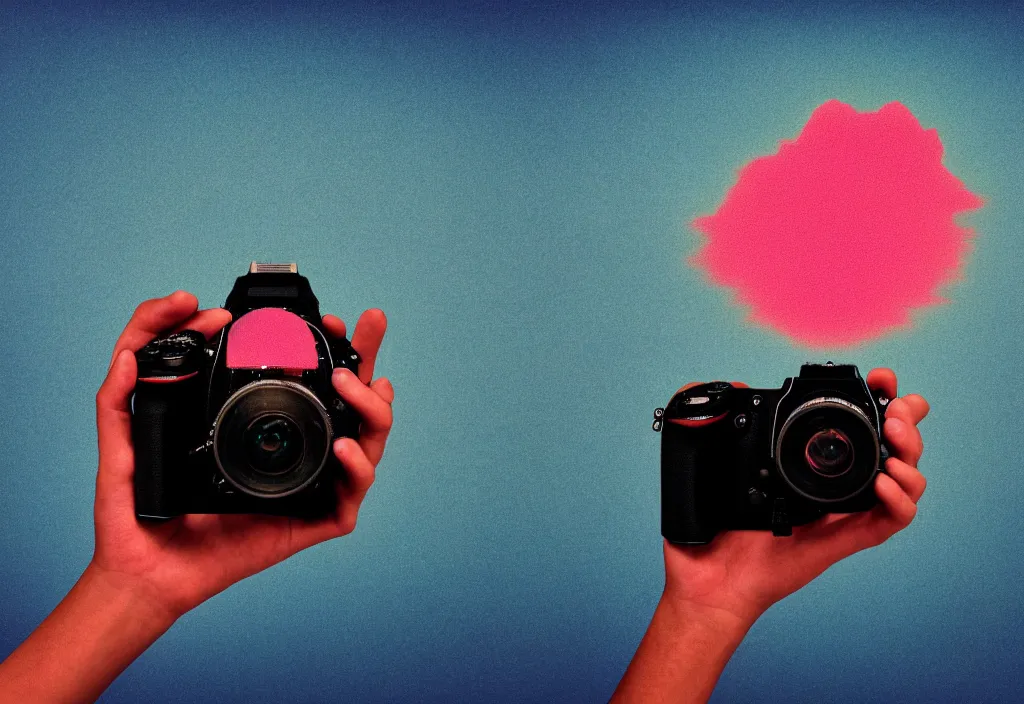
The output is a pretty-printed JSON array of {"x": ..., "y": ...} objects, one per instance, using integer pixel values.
[
  {"x": 768, "y": 459},
  {"x": 246, "y": 422}
]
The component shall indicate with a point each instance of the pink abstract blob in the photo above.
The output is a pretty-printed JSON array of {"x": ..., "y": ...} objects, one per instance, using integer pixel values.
[
  {"x": 834, "y": 239},
  {"x": 271, "y": 338}
]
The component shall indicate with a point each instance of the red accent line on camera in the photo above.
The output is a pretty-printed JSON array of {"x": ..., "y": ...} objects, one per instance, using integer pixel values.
[
  {"x": 690, "y": 423},
  {"x": 166, "y": 379}
]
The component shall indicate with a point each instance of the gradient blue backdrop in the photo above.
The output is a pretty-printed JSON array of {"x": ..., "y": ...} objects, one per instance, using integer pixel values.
[{"x": 513, "y": 188}]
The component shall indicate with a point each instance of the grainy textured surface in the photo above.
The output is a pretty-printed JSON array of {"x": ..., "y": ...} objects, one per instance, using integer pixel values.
[{"x": 514, "y": 189}]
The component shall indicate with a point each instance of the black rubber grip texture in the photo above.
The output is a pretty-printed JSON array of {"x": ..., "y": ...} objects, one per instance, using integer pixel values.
[
  {"x": 686, "y": 494},
  {"x": 165, "y": 425}
]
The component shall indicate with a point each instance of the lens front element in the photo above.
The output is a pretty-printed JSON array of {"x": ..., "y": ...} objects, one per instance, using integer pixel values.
[
  {"x": 272, "y": 438},
  {"x": 273, "y": 444},
  {"x": 829, "y": 453},
  {"x": 828, "y": 450}
]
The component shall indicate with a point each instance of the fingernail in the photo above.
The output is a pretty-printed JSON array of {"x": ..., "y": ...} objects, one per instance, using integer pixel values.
[
  {"x": 894, "y": 424},
  {"x": 342, "y": 374}
]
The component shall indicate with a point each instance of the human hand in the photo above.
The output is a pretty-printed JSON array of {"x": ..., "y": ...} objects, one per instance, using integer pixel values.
[
  {"x": 178, "y": 564},
  {"x": 741, "y": 573}
]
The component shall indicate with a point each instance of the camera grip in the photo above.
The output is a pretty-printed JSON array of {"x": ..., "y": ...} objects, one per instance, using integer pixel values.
[
  {"x": 686, "y": 487},
  {"x": 164, "y": 425}
]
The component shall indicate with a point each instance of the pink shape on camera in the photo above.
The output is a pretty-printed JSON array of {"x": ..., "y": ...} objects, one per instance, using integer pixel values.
[
  {"x": 273, "y": 338},
  {"x": 833, "y": 240}
]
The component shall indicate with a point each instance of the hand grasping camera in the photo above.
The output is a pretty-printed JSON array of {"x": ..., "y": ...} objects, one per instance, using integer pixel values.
[{"x": 182, "y": 562}]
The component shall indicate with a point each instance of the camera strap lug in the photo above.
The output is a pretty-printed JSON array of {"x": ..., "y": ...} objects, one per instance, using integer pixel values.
[
  {"x": 780, "y": 518},
  {"x": 659, "y": 413}
]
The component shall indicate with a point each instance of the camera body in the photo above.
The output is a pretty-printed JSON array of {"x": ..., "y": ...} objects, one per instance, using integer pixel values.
[
  {"x": 246, "y": 422},
  {"x": 737, "y": 458}
]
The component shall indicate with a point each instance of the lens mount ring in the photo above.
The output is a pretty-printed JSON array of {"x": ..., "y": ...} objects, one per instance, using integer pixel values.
[
  {"x": 811, "y": 484},
  {"x": 274, "y": 397}
]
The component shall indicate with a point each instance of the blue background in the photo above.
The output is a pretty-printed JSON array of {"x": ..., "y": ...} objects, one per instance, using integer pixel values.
[{"x": 513, "y": 187}]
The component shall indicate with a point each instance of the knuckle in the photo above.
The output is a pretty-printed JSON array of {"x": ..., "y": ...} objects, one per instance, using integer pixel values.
[
  {"x": 382, "y": 417},
  {"x": 879, "y": 535},
  {"x": 889, "y": 528},
  {"x": 898, "y": 407},
  {"x": 144, "y": 307},
  {"x": 186, "y": 295},
  {"x": 369, "y": 477},
  {"x": 347, "y": 522}
]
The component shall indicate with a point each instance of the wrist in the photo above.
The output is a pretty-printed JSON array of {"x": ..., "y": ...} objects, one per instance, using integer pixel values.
[
  {"x": 143, "y": 604},
  {"x": 683, "y": 652},
  {"x": 721, "y": 616},
  {"x": 93, "y": 634}
]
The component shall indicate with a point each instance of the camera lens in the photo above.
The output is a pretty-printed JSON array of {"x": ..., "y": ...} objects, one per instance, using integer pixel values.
[
  {"x": 828, "y": 450},
  {"x": 829, "y": 453},
  {"x": 273, "y": 444},
  {"x": 272, "y": 438}
]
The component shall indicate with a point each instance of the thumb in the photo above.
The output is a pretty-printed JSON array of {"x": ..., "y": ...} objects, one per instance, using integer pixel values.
[{"x": 114, "y": 430}]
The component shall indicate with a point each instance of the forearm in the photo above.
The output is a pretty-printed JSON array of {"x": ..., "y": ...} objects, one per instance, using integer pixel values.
[
  {"x": 682, "y": 654},
  {"x": 95, "y": 632}
]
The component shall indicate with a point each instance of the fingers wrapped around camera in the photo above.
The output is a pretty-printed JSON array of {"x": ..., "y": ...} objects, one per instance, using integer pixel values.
[
  {"x": 722, "y": 460},
  {"x": 739, "y": 458},
  {"x": 276, "y": 407},
  {"x": 373, "y": 404},
  {"x": 902, "y": 485}
]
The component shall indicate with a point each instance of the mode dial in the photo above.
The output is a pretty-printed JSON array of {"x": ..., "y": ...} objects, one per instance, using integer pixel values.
[
  {"x": 175, "y": 355},
  {"x": 703, "y": 402}
]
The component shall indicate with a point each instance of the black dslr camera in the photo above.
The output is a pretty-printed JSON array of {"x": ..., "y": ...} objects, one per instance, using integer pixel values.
[
  {"x": 245, "y": 424},
  {"x": 768, "y": 459}
]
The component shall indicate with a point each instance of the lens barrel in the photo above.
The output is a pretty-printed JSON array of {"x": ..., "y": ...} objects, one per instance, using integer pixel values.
[
  {"x": 828, "y": 450},
  {"x": 272, "y": 438}
]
